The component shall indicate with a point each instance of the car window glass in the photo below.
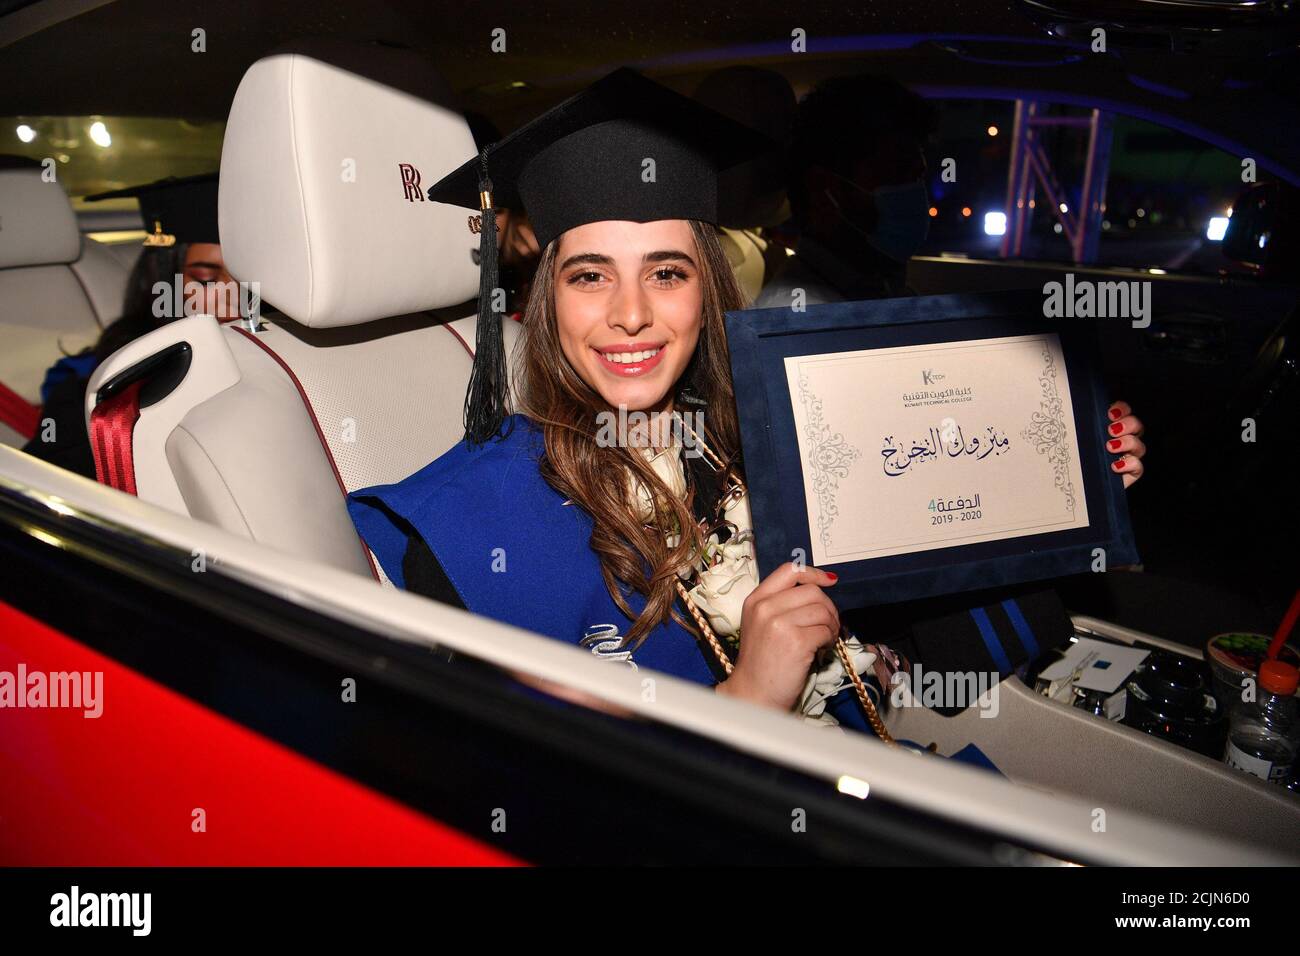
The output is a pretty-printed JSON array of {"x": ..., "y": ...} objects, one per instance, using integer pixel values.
[{"x": 1167, "y": 199}]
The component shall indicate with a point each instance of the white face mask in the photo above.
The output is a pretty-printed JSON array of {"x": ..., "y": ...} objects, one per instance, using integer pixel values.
[{"x": 902, "y": 218}]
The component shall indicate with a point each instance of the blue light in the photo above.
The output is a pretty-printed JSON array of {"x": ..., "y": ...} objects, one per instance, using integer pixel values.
[
  {"x": 995, "y": 224},
  {"x": 1217, "y": 228}
]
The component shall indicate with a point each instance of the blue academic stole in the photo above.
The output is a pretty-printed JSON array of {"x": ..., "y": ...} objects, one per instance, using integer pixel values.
[{"x": 514, "y": 550}]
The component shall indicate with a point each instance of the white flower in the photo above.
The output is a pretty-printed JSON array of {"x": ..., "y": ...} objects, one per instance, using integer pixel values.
[
  {"x": 721, "y": 589},
  {"x": 667, "y": 464},
  {"x": 829, "y": 679}
]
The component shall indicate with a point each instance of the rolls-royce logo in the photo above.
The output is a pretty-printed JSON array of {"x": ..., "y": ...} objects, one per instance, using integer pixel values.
[
  {"x": 929, "y": 376},
  {"x": 411, "y": 182}
]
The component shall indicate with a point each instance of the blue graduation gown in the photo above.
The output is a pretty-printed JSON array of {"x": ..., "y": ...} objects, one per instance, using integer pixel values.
[
  {"x": 512, "y": 548},
  {"x": 516, "y": 552}
]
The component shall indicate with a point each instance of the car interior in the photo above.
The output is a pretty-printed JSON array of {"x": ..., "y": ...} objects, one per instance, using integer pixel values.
[
  {"x": 58, "y": 289},
  {"x": 360, "y": 378}
]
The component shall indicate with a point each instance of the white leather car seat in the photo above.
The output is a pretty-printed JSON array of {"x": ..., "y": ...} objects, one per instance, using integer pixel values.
[
  {"x": 58, "y": 290},
  {"x": 361, "y": 381}
]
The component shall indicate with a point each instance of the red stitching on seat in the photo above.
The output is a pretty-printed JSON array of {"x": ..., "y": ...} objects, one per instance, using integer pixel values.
[
  {"x": 311, "y": 412},
  {"x": 461, "y": 339}
]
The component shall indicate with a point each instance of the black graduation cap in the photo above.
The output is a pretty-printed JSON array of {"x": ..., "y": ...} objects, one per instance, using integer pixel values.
[
  {"x": 625, "y": 148},
  {"x": 174, "y": 209}
]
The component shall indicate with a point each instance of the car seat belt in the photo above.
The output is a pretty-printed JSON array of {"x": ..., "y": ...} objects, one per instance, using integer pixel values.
[
  {"x": 996, "y": 651},
  {"x": 1021, "y": 626},
  {"x": 112, "y": 427},
  {"x": 18, "y": 413}
]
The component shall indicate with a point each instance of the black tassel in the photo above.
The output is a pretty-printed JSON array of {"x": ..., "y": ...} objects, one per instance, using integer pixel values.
[{"x": 485, "y": 399}]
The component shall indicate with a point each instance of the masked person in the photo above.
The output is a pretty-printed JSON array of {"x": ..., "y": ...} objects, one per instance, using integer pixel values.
[
  {"x": 516, "y": 244},
  {"x": 633, "y": 542},
  {"x": 752, "y": 194},
  {"x": 857, "y": 192},
  {"x": 856, "y": 167},
  {"x": 180, "y": 271}
]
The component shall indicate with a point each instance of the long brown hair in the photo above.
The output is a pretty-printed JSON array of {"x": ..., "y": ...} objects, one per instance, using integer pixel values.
[{"x": 595, "y": 478}]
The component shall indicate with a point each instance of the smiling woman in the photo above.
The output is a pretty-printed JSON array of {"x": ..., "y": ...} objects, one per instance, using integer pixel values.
[
  {"x": 541, "y": 521},
  {"x": 625, "y": 315},
  {"x": 653, "y": 283}
]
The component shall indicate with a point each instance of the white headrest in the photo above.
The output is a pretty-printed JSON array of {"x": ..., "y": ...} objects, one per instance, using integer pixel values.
[
  {"x": 37, "y": 224},
  {"x": 321, "y": 201}
]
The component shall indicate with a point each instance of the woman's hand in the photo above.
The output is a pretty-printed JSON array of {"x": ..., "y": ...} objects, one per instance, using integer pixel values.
[
  {"x": 784, "y": 622},
  {"x": 1124, "y": 439}
]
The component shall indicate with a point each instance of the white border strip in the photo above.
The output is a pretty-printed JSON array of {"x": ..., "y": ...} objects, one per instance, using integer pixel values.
[{"x": 944, "y": 788}]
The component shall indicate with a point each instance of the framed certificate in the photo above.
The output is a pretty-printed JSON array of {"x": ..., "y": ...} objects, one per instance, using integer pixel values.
[{"x": 926, "y": 445}]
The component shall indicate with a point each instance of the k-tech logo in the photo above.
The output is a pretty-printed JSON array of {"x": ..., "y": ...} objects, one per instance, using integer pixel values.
[
  {"x": 411, "y": 182},
  {"x": 134, "y": 910}
]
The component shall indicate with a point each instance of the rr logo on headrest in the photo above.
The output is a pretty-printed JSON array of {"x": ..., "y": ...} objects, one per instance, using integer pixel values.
[{"x": 411, "y": 182}]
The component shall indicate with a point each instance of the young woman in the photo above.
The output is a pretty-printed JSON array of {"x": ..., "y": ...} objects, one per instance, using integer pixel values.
[
  {"x": 634, "y": 542},
  {"x": 180, "y": 216}
]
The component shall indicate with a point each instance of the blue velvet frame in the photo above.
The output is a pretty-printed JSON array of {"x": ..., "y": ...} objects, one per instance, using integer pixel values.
[{"x": 761, "y": 339}]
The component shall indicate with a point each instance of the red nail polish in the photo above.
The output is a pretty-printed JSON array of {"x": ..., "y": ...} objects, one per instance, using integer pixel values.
[
  {"x": 1119, "y": 465},
  {"x": 833, "y": 576},
  {"x": 1114, "y": 413},
  {"x": 1113, "y": 444},
  {"x": 1116, "y": 428}
]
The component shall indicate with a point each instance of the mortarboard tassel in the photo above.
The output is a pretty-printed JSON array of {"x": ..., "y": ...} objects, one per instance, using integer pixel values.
[{"x": 485, "y": 399}]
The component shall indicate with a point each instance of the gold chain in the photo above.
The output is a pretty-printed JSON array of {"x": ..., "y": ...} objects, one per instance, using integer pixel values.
[
  {"x": 841, "y": 649},
  {"x": 707, "y": 631},
  {"x": 868, "y": 706}
]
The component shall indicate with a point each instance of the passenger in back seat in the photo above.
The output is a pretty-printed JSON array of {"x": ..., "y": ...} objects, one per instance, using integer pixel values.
[
  {"x": 180, "y": 272},
  {"x": 752, "y": 203},
  {"x": 858, "y": 194},
  {"x": 515, "y": 239}
]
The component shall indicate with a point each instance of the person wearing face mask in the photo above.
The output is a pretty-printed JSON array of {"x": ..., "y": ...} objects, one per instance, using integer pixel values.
[
  {"x": 856, "y": 171},
  {"x": 611, "y": 511},
  {"x": 516, "y": 242},
  {"x": 856, "y": 168}
]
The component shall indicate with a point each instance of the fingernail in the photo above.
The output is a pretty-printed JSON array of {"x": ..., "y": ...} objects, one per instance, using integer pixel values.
[
  {"x": 1116, "y": 428},
  {"x": 833, "y": 576},
  {"x": 1114, "y": 444},
  {"x": 1119, "y": 465},
  {"x": 1114, "y": 413}
]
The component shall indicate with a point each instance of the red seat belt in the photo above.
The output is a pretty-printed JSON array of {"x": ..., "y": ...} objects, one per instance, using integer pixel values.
[
  {"x": 18, "y": 413},
  {"x": 112, "y": 423}
]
